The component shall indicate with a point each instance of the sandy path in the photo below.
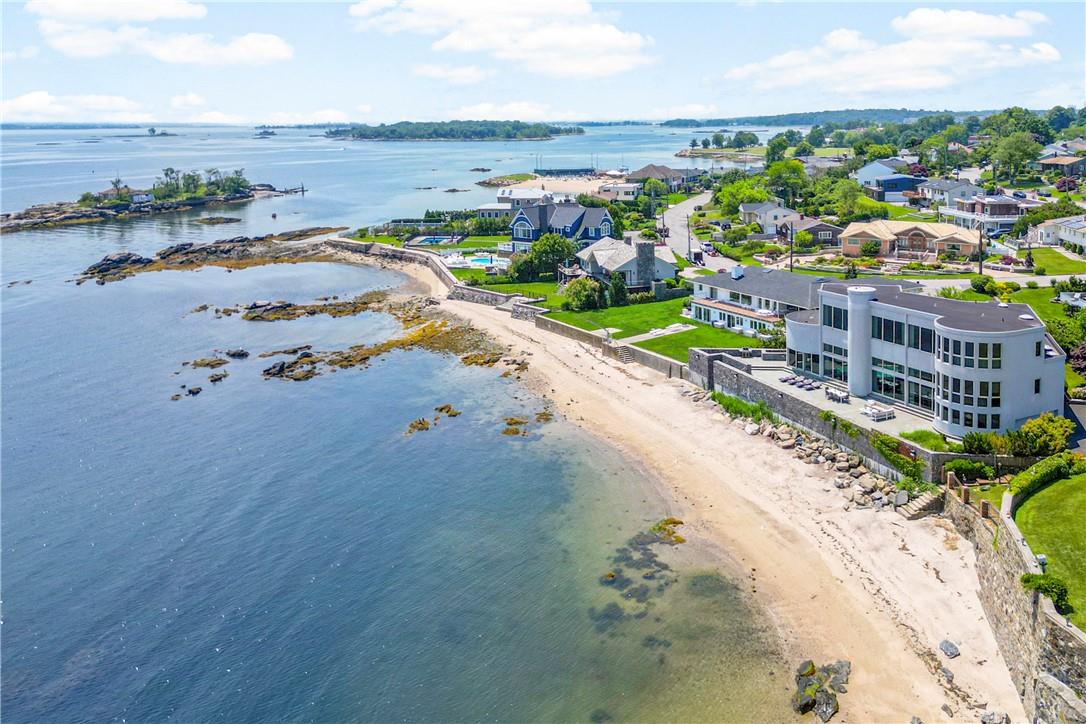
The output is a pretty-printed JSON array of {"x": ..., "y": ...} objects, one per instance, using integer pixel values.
[{"x": 869, "y": 587}]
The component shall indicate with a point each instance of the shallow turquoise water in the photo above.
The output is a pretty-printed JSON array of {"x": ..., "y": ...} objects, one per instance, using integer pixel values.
[{"x": 272, "y": 550}]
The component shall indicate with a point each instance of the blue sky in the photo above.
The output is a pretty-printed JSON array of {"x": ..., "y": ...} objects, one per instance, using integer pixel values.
[{"x": 385, "y": 60}]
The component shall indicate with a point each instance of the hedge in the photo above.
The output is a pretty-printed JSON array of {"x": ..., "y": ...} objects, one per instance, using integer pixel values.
[
  {"x": 1061, "y": 465},
  {"x": 970, "y": 469}
]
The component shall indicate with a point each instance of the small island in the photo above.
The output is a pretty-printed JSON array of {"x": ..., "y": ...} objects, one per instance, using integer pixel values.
[
  {"x": 174, "y": 190},
  {"x": 454, "y": 131}
]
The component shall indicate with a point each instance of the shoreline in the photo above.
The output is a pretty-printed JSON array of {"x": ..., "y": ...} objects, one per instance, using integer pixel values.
[{"x": 869, "y": 587}]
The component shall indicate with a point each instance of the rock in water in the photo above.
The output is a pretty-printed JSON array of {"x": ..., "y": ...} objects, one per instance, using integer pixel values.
[
  {"x": 237, "y": 353},
  {"x": 825, "y": 705},
  {"x": 948, "y": 648},
  {"x": 195, "y": 391}
]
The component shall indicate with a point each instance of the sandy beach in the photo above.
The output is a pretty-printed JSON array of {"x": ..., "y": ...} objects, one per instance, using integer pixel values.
[
  {"x": 869, "y": 587},
  {"x": 564, "y": 184}
]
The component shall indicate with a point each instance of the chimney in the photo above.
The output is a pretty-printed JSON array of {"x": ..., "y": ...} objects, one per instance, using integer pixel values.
[
  {"x": 737, "y": 271},
  {"x": 646, "y": 262}
]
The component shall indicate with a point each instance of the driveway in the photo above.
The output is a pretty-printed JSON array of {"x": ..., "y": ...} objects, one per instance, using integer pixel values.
[{"x": 675, "y": 220}]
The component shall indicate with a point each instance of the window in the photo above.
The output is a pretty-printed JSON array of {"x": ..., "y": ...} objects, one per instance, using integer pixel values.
[
  {"x": 835, "y": 350},
  {"x": 955, "y": 417},
  {"x": 1037, "y": 348},
  {"x": 835, "y": 317},
  {"x": 968, "y": 422},
  {"x": 834, "y": 368},
  {"x": 888, "y": 330},
  {"x": 1037, "y": 384},
  {"x": 825, "y": 235},
  {"x": 982, "y": 421},
  {"x": 995, "y": 422},
  {"x": 522, "y": 231},
  {"x": 921, "y": 338}
]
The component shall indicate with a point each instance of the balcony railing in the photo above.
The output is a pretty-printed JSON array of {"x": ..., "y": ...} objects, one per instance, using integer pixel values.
[{"x": 958, "y": 213}]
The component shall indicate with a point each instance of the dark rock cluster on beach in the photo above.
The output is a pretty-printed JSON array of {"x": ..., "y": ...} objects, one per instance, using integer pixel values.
[{"x": 817, "y": 688}]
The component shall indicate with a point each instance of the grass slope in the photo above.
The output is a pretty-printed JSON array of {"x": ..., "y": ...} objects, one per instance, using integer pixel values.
[
  {"x": 676, "y": 346},
  {"x": 629, "y": 320},
  {"x": 1052, "y": 521},
  {"x": 1055, "y": 262}
]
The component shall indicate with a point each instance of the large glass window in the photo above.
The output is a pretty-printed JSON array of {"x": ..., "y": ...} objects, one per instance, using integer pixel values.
[
  {"x": 888, "y": 330},
  {"x": 834, "y": 368},
  {"x": 835, "y": 317},
  {"x": 887, "y": 385}
]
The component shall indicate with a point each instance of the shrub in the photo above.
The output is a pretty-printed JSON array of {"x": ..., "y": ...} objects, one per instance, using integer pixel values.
[
  {"x": 1042, "y": 473},
  {"x": 642, "y": 298},
  {"x": 887, "y": 446},
  {"x": 870, "y": 248},
  {"x": 970, "y": 469},
  {"x": 1048, "y": 585},
  {"x": 737, "y": 407},
  {"x": 1044, "y": 435},
  {"x": 584, "y": 293},
  {"x": 978, "y": 443},
  {"x": 1039, "y": 271},
  {"x": 1032, "y": 284},
  {"x": 980, "y": 283},
  {"x": 620, "y": 295}
]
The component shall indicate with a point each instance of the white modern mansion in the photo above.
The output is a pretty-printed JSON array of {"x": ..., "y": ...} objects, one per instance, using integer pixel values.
[{"x": 972, "y": 367}]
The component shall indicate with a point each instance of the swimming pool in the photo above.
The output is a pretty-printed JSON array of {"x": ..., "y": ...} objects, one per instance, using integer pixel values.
[
  {"x": 433, "y": 239},
  {"x": 489, "y": 261}
]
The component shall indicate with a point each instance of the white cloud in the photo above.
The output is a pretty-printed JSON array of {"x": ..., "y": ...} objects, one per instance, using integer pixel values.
[
  {"x": 929, "y": 22},
  {"x": 101, "y": 28},
  {"x": 513, "y": 110},
  {"x": 80, "y": 41},
  {"x": 454, "y": 74},
  {"x": 119, "y": 11},
  {"x": 187, "y": 101},
  {"x": 930, "y": 57},
  {"x": 364, "y": 108},
  {"x": 42, "y": 106},
  {"x": 327, "y": 115},
  {"x": 24, "y": 53},
  {"x": 561, "y": 38},
  {"x": 217, "y": 117}
]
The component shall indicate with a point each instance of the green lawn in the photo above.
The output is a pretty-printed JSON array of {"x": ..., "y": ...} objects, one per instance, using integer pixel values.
[
  {"x": 547, "y": 290},
  {"x": 629, "y": 320},
  {"x": 703, "y": 271},
  {"x": 1055, "y": 262},
  {"x": 1071, "y": 378},
  {"x": 1040, "y": 299},
  {"x": 1052, "y": 521},
  {"x": 676, "y": 346},
  {"x": 390, "y": 240},
  {"x": 928, "y": 439},
  {"x": 994, "y": 495},
  {"x": 677, "y": 197},
  {"x": 907, "y": 213}
]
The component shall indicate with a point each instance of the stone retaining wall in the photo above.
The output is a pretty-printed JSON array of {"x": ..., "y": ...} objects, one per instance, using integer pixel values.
[
  {"x": 1046, "y": 656},
  {"x": 568, "y": 330},
  {"x": 652, "y": 360},
  {"x": 527, "y": 312}
]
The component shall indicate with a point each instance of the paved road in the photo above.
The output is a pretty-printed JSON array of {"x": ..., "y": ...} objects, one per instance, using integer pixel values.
[{"x": 675, "y": 221}]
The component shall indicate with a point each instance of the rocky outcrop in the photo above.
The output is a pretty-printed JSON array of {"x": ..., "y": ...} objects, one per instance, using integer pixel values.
[{"x": 817, "y": 688}]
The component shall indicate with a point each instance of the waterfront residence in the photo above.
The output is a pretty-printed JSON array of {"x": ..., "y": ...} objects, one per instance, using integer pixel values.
[
  {"x": 767, "y": 214},
  {"x": 751, "y": 300},
  {"x": 1065, "y": 230},
  {"x": 895, "y": 188},
  {"x": 966, "y": 366},
  {"x": 615, "y": 191},
  {"x": 1062, "y": 148},
  {"x": 915, "y": 240},
  {"x": 573, "y": 221},
  {"x": 1065, "y": 165},
  {"x": 945, "y": 191},
  {"x": 867, "y": 174},
  {"x": 639, "y": 262},
  {"x": 823, "y": 232},
  {"x": 995, "y": 215},
  {"x": 674, "y": 178}
]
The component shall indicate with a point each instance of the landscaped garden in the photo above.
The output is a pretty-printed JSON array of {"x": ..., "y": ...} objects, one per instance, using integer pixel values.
[
  {"x": 630, "y": 320},
  {"x": 1052, "y": 521},
  {"x": 1054, "y": 262}
]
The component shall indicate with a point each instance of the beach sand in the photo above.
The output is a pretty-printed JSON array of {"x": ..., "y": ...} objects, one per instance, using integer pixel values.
[
  {"x": 564, "y": 184},
  {"x": 869, "y": 587}
]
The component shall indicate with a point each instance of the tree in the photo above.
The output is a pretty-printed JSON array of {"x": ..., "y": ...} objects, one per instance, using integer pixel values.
[
  {"x": 816, "y": 137},
  {"x": 654, "y": 187},
  {"x": 151, "y": 131},
  {"x": 748, "y": 190},
  {"x": 851, "y": 271},
  {"x": 774, "y": 150},
  {"x": 718, "y": 140},
  {"x": 549, "y": 251},
  {"x": 803, "y": 240},
  {"x": 117, "y": 185},
  {"x": 1018, "y": 120},
  {"x": 190, "y": 182},
  {"x": 792, "y": 136},
  {"x": 1041, "y": 436},
  {"x": 837, "y": 138},
  {"x": 870, "y": 248},
  {"x": 803, "y": 149},
  {"x": 879, "y": 150},
  {"x": 786, "y": 176},
  {"x": 705, "y": 143},
  {"x": 1015, "y": 151},
  {"x": 693, "y": 143},
  {"x": 583, "y": 293},
  {"x": 743, "y": 139},
  {"x": 620, "y": 295}
]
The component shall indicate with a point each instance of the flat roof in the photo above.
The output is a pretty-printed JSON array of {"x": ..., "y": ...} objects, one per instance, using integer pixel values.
[{"x": 956, "y": 313}]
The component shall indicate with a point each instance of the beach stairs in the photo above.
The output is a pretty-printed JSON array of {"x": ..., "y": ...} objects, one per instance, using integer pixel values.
[
  {"x": 624, "y": 354},
  {"x": 918, "y": 507}
]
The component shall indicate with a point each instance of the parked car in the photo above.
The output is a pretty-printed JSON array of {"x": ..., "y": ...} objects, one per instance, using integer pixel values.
[
  {"x": 1044, "y": 192},
  {"x": 697, "y": 208},
  {"x": 1019, "y": 194}
]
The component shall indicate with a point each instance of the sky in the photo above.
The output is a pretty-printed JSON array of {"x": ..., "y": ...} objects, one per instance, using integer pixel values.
[{"x": 163, "y": 61}]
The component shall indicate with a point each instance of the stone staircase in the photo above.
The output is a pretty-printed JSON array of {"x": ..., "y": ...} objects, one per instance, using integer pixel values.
[
  {"x": 926, "y": 504},
  {"x": 625, "y": 356}
]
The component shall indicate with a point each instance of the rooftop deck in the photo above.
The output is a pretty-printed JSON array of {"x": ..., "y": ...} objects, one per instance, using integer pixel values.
[{"x": 763, "y": 316}]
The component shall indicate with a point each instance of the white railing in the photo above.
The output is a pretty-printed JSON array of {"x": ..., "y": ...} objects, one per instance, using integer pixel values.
[{"x": 958, "y": 213}]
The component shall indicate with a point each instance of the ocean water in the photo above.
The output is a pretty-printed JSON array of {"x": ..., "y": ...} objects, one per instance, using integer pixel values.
[{"x": 273, "y": 550}]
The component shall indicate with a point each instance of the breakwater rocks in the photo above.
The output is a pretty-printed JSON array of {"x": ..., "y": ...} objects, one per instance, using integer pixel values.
[
  {"x": 238, "y": 252},
  {"x": 817, "y": 688},
  {"x": 71, "y": 212}
]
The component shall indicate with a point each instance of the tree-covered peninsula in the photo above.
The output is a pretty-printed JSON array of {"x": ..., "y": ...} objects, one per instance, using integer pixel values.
[{"x": 454, "y": 131}]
